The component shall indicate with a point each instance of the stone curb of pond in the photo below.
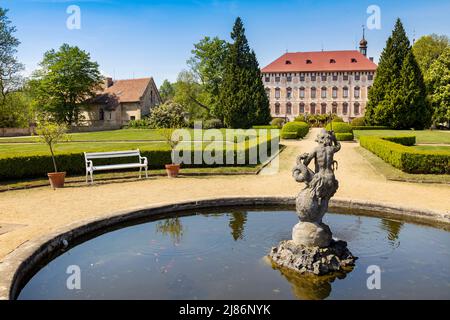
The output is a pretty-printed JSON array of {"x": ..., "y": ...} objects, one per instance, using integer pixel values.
[{"x": 17, "y": 266}]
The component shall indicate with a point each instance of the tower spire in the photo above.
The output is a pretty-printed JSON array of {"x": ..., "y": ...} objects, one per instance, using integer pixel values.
[{"x": 363, "y": 43}]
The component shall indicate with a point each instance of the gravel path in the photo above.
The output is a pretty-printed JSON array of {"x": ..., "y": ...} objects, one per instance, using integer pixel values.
[{"x": 36, "y": 212}]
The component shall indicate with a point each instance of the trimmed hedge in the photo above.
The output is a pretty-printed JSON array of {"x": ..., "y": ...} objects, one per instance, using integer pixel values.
[
  {"x": 403, "y": 140},
  {"x": 370, "y": 128},
  {"x": 407, "y": 158},
  {"x": 301, "y": 128},
  {"x": 30, "y": 166},
  {"x": 340, "y": 127},
  {"x": 358, "y": 122},
  {"x": 268, "y": 127},
  {"x": 289, "y": 135},
  {"x": 344, "y": 136}
]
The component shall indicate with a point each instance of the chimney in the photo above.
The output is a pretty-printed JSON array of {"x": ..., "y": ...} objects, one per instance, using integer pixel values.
[
  {"x": 371, "y": 59},
  {"x": 108, "y": 82}
]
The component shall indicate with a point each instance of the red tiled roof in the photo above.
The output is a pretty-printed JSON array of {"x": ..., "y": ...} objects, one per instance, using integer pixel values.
[
  {"x": 321, "y": 61},
  {"x": 130, "y": 90}
]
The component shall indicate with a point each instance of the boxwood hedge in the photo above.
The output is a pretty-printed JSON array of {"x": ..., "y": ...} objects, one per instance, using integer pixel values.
[
  {"x": 397, "y": 152},
  {"x": 300, "y": 128},
  {"x": 344, "y": 136},
  {"x": 370, "y": 128},
  {"x": 17, "y": 166},
  {"x": 340, "y": 127}
]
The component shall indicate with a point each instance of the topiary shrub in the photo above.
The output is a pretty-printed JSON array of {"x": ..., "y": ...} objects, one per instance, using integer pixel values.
[
  {"x": 301, "y": 128},
  {"x": 138, "y": 124},
  {"x": 337, "y": 119},
  {"x": 358, "y": 122},
  {"x": 344, "y": 136},
  {"x": 277, "y": 122},
  {"x": 212, "y": 124},
  {"x": 340, "y": 127},
  {"x": 289, "y": 135}
]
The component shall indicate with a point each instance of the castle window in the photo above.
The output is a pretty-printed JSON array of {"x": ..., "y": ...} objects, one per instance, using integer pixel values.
[
  {"x": 313, "y": 77},
  {"x": 313, "y": 93},
  {"x": 277, "y": 93},
  {"x": 288, "y": 62},
  {"x": 268, "y": 92},
  {"x": 324, "y": 77},
  {"x": 302, "y": 108},
  {"x": 345, "y": 77},
  {"x": 334, "y": 108},
  {"x": 277, "y": 79},
  {"x": 335, "y": 77},
  {"x": 101, "y": 115},
  {"x": 345, "y": 108},
  {"x": 370, "y": 76},
  {"x": 277, "y": 108},
  {"x": 267, "y": 79},
  {"x": 332, "y": 61},
  {"x": 289, "y": 93},
  {"x": 288, "y": 108},
  {"x": 302, "y": 93},
  {"x": 345, "y": 92},
  {"x": 302, "y": 77},
  {"x": 324, "y": 92},
  {"x": 356, "y": 108},
  {"x": 335, "y": 92},
  {"x": 357, "y": 77},
  {"x": 323, "y": 108},
  {"x": 308, "y": 61},
  {"x": 357, "y": 92},
  {"x": 312, "y": 108},
  {"x": 354, "y": 60},
  {"x": 289, "y": 78}
]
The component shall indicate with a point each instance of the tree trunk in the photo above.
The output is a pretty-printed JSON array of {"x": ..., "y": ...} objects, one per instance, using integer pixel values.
[{"x": 53, "y": 158}]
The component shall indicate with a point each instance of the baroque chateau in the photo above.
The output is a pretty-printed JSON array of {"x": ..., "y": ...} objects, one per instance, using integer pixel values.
[{"x": 337, "y": 82}]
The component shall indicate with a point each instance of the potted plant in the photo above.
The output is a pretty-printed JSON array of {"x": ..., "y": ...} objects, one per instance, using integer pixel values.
[
  {"x": 172, "y": 139},
  {"x": 51, "y": 134}
]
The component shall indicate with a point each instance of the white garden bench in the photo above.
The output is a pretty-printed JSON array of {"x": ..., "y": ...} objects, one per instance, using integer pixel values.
[{"x": 90, "y": 167}]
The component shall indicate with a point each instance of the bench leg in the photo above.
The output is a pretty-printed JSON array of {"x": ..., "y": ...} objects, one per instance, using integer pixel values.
[
  {"x": 87, "y": 176},
  {"x": 146, "y": 173},
  {"x": 140, "y": 172},
  {"x": 92, "y": 177}
]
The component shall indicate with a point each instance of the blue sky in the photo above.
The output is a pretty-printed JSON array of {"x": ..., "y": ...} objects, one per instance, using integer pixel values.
[{"x": 139, "y": 38}]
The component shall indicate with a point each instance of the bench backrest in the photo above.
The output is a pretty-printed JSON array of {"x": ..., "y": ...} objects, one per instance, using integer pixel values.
[{"x": 112, "y": 154}]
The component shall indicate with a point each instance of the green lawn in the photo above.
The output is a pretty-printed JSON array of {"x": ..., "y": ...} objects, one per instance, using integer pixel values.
[
  {"x": 114, "y": 135},
  {"x": 422, "y": 136},
  {"x": 126, "y": 139}
]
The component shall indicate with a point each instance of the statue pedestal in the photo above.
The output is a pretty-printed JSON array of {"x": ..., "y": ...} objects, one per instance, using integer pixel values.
[
  {"x": 306, "y": 259},
  {"x": 311, "y": 234}
]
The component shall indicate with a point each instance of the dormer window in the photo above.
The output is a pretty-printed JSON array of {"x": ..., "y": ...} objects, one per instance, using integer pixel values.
[
  {"x": 288, "y": 62},
  {"x": 308, "y": 61},
  {"x": 332, "y": 61},
  {"x": 354, "y": 60}
]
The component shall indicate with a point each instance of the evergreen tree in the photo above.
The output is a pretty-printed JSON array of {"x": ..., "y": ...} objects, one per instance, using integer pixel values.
[
  {"x": 397, "y": 98},
  {"x": 438, "y": 81},
  {"x": 243, "y": 99},
  {"x": 414, "y": 111}
]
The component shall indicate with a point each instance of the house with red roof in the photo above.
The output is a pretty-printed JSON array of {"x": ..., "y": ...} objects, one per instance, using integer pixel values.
[
  {"x": 337, "y": 82},
  {"x": 121, "y": 101}
]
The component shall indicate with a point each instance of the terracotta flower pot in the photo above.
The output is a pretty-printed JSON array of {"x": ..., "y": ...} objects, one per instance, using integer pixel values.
[
  {"x": 57, "y": 179},
  {"x": 172, "y": 170}
]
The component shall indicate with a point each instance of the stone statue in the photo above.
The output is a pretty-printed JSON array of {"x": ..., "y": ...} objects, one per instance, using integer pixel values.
[
  {"x": 312, "y": 248},
  {"x": 321, "y": 185}
]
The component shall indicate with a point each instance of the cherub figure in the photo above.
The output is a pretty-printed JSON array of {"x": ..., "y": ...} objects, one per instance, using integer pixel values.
[{"x": 321, "y": 184}]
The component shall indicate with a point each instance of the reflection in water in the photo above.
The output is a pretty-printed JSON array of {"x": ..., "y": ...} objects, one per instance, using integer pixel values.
[
  {"x": 171, "y": 227},
  {"x": 237, "y": 224},
  {"x": 308, "y": 286},
  {"x": 392, "y": 227}
]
